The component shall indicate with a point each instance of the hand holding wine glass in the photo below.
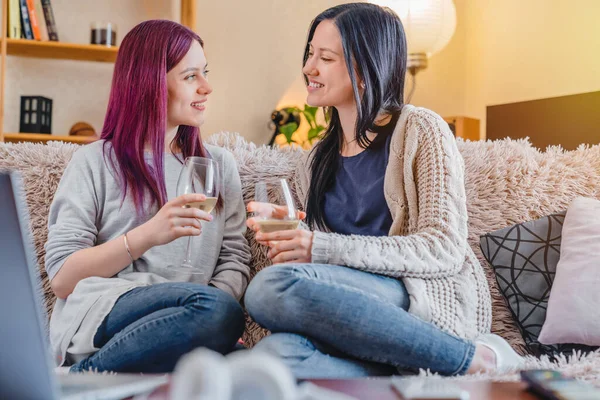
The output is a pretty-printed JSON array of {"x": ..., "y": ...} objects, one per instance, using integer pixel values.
[
  {"x": 275, "y": 222},
  {"x": 276, "y": 214},
  {"x": 174, "y": 220},
  {"x": 201, "y": 176}
]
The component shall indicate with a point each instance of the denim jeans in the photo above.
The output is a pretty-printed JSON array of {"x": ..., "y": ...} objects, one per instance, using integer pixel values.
[
  {"x": 151, "y": 327},
  {"x": 337, "y": 322}
]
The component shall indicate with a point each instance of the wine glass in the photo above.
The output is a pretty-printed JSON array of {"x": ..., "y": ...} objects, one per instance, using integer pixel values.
[
  {"x": 198, "y": 175},
  {"x": 280, "y": 217}
]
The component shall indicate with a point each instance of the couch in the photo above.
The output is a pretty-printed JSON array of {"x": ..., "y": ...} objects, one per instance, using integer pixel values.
[{"x": 507, "y": 182}]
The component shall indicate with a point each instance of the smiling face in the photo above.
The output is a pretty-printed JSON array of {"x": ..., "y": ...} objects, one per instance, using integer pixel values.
[
  {"x": 329, "y": 82},
  {"x": 188, "y": 89}
]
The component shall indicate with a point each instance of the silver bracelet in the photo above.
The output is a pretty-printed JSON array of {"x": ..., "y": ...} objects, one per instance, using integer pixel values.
[{"x": 127, "y": 247}]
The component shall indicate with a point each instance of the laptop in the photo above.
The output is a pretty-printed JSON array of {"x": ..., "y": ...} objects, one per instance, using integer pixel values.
[{"x": 26, "y": 370}]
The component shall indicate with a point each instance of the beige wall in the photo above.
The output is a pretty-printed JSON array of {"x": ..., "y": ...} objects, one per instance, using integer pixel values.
[
  {"x": 524, "y": 50},
  {"x": 79, "y": 90},
  {"x": 255, "y": 62},
  {"x": 502, "y": 51},
  {"x": 441, "y": 87},
  {"x": 513, "y": 50},
  {"x": 254, "y": 50}
]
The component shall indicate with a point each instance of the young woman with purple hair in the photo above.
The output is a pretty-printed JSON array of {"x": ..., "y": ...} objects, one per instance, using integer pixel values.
[{"x": 116, "y": 224}]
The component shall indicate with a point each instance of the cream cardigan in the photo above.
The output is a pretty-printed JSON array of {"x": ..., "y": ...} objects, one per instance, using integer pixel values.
[{"x": 427, "y": 244}]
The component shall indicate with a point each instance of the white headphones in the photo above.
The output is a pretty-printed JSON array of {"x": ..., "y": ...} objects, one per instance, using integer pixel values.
[{"x": 243, "y": 375}]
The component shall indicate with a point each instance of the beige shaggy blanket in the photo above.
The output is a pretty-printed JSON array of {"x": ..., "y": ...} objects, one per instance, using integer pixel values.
[{"x": 507, "y": 182}]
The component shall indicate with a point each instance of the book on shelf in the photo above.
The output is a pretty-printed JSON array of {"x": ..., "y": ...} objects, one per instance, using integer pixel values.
[
  {"x": 31, "y": 19},
  {"x": 50, "y": 22},
  {"x": 39, "y": 12},
  {"x": 14, "y": 19},
  {"x": 26, "y": 32}
]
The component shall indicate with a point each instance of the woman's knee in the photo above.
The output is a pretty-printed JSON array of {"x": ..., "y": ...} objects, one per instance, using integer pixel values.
[
  {"x": 218, "y": 311},
  {"x": 261, "y": 290},
  {"x": 266, "y": 295}
]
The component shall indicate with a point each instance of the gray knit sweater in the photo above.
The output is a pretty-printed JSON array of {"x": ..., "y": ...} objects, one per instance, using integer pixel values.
[
  {"x": 427, "y": 244},
  {"x": 86, "y": 211}
]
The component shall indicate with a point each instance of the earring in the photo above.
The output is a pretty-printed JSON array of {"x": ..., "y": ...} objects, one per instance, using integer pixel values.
[{"x": 362, "y": 85}]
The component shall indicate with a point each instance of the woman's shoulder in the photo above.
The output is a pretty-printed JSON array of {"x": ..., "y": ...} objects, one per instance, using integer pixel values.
[
  {"x": 222, "y": 156},
  {"x": 86, "y": 164},
  {"x": 219, "y": 153},
  {"x": 91, "y": 154},
  {"x": 420, "y": 115},
  {"x": 420, "y": 123}
]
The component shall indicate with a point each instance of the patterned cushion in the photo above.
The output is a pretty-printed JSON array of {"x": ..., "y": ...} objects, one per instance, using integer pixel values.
[{"x": 524, "y": 258}]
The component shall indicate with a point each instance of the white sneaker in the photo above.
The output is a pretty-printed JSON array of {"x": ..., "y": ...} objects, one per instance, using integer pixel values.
[{"x": 506, "y": 358}]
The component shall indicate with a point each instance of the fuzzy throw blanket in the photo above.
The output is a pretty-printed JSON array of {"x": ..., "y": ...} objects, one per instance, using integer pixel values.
[{"x": 507, "y": 182}]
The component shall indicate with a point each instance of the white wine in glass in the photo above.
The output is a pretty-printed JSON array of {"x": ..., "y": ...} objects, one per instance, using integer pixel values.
[
  {"x": 207, "y": 205},
  {"x": 282, "y": 216},
  {"x": 274, "y": 225},
  {"x": 198, "y": 175}
]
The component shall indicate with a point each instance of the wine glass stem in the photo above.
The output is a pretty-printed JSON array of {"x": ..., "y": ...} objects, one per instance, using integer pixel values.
[{"x": 188, "y": 253}]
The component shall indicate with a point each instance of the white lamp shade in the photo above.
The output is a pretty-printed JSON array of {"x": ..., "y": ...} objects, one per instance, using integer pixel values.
[{"x": 429, "y": 24}]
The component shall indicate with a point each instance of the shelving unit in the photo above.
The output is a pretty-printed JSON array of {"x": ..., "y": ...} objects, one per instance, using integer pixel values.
[
  {"x": 59, "y": 50},
  {"x": 43, "y": 138},
  {"x": 62, "y": 51}
]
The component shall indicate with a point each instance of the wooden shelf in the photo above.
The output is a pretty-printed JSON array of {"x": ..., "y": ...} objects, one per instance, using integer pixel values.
[
  {"x": 43, "y": 138},
  {"x": 60, "y": 50}
]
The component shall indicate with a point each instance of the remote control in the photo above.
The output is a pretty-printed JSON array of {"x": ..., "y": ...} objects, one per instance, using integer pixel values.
[{"x": 552, "y": 385}]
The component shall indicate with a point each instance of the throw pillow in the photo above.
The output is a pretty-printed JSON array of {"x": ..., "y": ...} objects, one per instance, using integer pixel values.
[
  {"x": 524, "y": 258},
  {"x": 573, "y": 310}
]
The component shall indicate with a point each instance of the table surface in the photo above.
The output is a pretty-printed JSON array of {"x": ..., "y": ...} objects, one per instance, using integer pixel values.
[{"x": 381, "y": 389}]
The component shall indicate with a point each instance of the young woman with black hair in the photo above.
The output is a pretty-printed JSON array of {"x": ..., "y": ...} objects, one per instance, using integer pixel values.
[{"x": 384, "y": 279}]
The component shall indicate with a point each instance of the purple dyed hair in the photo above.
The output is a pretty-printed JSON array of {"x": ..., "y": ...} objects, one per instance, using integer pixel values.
[{"x": 137, "y": 109}]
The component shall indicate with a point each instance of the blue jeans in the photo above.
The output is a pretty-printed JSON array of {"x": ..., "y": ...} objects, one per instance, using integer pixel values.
[
  {"x": 336, "y": 322},
  {"x": 151, "y": 327}
]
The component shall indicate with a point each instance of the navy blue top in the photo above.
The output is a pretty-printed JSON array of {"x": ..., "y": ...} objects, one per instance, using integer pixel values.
[{"x": 356, "y": 204}]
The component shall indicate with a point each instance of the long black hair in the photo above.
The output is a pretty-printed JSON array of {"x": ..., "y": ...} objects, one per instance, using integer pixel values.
[{"x": 375, "y": 50}]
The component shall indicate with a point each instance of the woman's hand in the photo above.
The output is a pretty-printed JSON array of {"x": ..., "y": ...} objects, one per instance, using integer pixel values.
[
  {"x": 267, "y": 210},
  {"x": 285, "y": 246},
  {"x": 291, "y": 246},
  {"x": 174, "y": 220}
]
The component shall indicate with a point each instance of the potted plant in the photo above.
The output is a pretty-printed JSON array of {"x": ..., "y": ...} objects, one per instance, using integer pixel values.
[{"x": 315, "y": 129}]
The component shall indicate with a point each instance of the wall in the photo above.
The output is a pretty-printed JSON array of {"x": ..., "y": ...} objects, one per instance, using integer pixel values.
[
  {"x": 441, "y": 87},
  {"x": 502, "y": 51},
  {"x": 79, "y": 89},
  {"x": 255, "y": 49},
  {"x": 512, "y": 50},
  {"x": 525, "y": 50}
]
